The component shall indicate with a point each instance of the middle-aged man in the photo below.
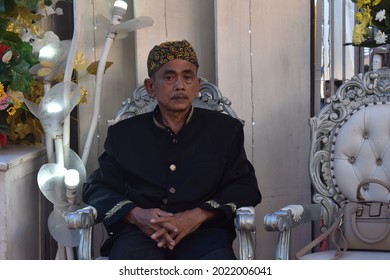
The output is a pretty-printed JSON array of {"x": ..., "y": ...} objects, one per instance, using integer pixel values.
[{"x": 169, "y": 181}]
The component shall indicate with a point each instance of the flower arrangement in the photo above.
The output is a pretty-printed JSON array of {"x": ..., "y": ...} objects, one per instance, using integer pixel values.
[
  {"x": 373, "y": 23},
  {"x": 21, "y": 37}
]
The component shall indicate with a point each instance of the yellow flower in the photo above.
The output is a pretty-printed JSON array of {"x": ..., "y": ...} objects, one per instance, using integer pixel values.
[
  {"x": 359, "y": 16},
  {"x": 367, "y": 18},
  {"x": 2, "y": 92},
  {"x": 376, "y": 2},
  {"x": 11, "y": 111},
  {"x": 79, "y": 62},
  {"x": 360, "y": 33},
  {"x": 361, "y": 3},
  {"x": 17, "y": 104},
  {"x": 84, "y": 95}
]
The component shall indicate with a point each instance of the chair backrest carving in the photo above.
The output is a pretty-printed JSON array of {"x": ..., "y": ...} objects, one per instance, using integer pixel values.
[
  {"x": 351, "y": 142},
  {"x": 210, "y": 97}
]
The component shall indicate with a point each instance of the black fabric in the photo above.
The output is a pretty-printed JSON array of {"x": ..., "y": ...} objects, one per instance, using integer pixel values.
[
  {"x": 206, "y": 243},
  {"x": 210, "y": 165}
]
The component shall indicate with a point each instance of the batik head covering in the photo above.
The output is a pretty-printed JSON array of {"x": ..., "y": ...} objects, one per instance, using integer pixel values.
[{"x": 168, "y": 51}]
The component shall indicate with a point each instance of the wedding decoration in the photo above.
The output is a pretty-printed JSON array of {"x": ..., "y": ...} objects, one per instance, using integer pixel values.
[
  {"x": 21, "y": 37},
  {"x": 60, "y": 179},
  {"x": 116, "y": 29},
  {"x": 373, "y": 23}
]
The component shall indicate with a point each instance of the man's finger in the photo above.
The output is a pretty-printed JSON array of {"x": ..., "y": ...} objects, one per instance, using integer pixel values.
[
  {"x": 165, "y": 224},
  {"x": 162, "y": 213},
  {"x": 158, "y": 233}
]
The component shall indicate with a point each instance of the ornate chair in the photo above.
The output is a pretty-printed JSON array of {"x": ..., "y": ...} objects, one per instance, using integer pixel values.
[
  {"x": 350, "y": 142},
  {"x": 210, "y": 98}
]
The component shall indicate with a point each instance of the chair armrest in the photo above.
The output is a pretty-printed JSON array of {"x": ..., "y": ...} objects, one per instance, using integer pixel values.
[
  {"x": 246, "y": 231},
  {"x": 83, "y": 220},
  {"x": 284, "y": 220}
]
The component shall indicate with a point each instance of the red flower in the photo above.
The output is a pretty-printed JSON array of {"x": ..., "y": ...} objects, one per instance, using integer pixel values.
[
  {"x": 3, "y": 139},
  {"x": 3, "y": 49}
]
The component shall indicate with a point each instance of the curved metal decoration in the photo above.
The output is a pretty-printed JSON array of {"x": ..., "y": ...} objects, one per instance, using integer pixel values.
[
  {"x": 210, "y": 97},
  {"x": 361, "y": 90},
  {"x": 245, "y": 226}
]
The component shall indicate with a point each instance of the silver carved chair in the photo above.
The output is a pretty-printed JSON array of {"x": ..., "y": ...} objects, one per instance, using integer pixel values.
[
  {"x": 350, "y": 142},
  {"x": 209, "y": 97}
]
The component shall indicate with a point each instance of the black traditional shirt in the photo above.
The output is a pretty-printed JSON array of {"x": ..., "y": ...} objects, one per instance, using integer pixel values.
[{"x": 146, "y": 165}]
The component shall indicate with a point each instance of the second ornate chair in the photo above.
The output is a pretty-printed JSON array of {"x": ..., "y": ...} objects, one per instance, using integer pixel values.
[{"x": 350, "y": 142}]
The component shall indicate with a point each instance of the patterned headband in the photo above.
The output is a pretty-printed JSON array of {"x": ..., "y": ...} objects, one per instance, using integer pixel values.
[{"x": 168, "y": 51}]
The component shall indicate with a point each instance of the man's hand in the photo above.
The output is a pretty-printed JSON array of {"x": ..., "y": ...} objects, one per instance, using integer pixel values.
[
  {"x": 184, "y": 223},
  {"x": 142, "y": 219}
]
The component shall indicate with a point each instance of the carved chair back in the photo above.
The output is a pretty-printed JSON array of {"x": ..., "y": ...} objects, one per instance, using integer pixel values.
[
  {"x": 209, "y": 97},
  {"x": 351, "y": 143}
]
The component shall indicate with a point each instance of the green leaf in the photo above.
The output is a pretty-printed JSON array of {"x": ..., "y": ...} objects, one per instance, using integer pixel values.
[
  {"x": 3, "y": 24},
  {"x": 369, "y": 44},
  {"x": 10, "y": 39},
  {"x": 25, "y": 51},
  {"x": 2, "y": 6},
  {"x": 9, "y": 5},
  {"x": 92, "y": 68},
  {"x": 4, "y": 129},
  {"x": 28, "y": 4},
  {"x": 21, "y": 79},
  {"x": 385, "y": 4}
]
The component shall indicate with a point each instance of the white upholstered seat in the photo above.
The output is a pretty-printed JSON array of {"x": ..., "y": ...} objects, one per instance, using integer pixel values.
[
  {"x": 350, "y": 142},
  {"x": 210, "y": 98}
]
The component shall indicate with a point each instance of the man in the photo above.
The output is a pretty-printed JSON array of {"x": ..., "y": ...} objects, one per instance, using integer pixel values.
[{"x": 170, "y": 181}]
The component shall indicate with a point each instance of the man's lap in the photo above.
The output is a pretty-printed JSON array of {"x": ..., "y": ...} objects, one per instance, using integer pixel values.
[{"x": 205, "y": 243}]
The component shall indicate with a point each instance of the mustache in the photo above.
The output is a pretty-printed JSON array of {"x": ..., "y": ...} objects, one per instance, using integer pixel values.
[{"x": 180, "y": 95}]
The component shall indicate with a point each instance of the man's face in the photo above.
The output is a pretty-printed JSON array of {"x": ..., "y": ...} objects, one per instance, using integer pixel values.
[{"x": 175, "y": 85}]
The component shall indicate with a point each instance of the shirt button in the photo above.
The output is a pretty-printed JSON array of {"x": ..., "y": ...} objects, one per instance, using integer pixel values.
[
  {"x": 175, "y": 141},
  {"x": 172, "y": 190},
  {"x": 172, "y": 167}
]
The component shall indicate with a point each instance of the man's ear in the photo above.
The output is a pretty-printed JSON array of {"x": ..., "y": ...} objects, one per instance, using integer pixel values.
[
  {"x": 148, "y": 84},
  {"x": 199, "y": 81}
]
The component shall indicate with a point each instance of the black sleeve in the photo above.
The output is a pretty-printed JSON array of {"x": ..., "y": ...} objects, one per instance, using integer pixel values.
[
  {"x": 239, "y": 185},
  {"x": 106, "y": 189}
]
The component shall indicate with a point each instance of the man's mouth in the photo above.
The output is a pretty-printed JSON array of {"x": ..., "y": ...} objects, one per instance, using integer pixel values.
[{"x": 179, "y": 97}]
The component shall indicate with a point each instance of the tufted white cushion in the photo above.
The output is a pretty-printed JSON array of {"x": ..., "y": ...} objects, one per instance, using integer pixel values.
[
  {"x": 349, "y": 255},
  {"x": 361, "y": 150}
]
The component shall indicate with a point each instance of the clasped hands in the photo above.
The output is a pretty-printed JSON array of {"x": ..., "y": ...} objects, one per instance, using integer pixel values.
[{"x": 165, "y": 228}]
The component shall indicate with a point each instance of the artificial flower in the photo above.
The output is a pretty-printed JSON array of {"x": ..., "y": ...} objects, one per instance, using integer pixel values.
[
  {"x": 3, "y": 139},
  {"x": 21, "y": 37},
  {"x": 372, "y": 27},
  {"x": 380, "y": 37},
  {"x": 360, "y": 32},
  {"x": 381, "y": 15}
]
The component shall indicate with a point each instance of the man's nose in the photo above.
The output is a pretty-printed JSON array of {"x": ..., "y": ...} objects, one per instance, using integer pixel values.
[{"x": 179, "y": 83}]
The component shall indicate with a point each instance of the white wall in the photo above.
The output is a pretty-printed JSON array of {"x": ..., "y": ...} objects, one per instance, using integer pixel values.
[{"x": 258, "y": 52}]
